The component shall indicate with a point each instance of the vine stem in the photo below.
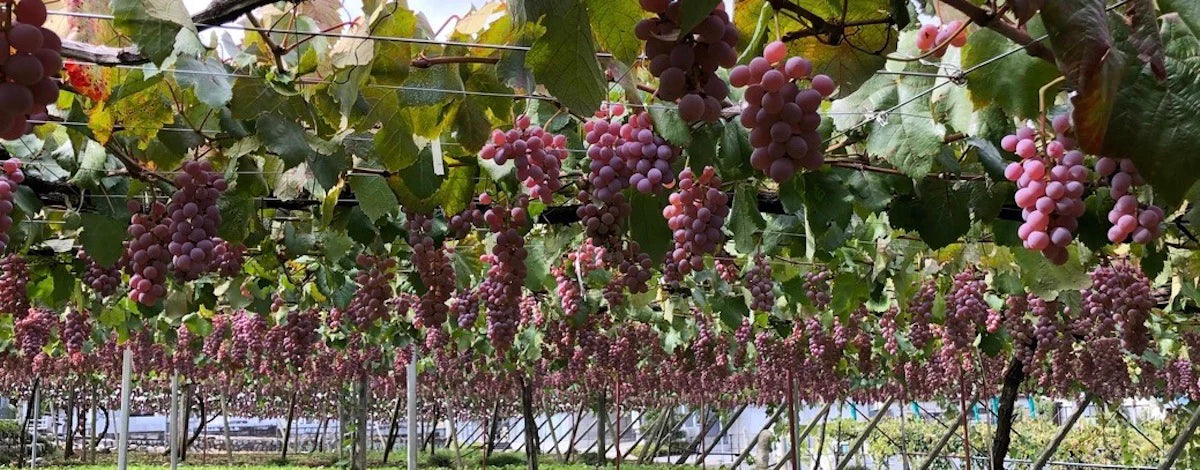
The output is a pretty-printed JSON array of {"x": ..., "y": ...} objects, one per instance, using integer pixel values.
[
  {"x": 1042, "y": 106},
  {"x": 987, "y": 19},
  {"x": 276, "y": 50}
]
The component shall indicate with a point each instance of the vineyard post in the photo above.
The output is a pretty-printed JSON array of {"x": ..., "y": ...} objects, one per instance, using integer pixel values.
[
  {"x": 628, "y": 428},
  {"x": 674, "y": 429},
  {"x": 69, "y": 426},
  {"x": 1180, "y": 442},
  {"x": 574, "y": 432},
  {"x": 754, "y": 440},
  {"x": 393, "y": 429},
  {"x": 454, "y": 441},
  {"x": 793, "y": 440},
  {"x": 173, "y": 421},
  {"x": 704, "y": 427},
  {"x": 91, "y": 448},
  {"x": 862, "y": 437},
  {"x": 724, "y": 430},
  {"x": 647, "y": 431},
  {"x": 287, "y": 431},
  {"x": 123, "y": 424},
  {"x": 617, "y": 426},
  {"x": 580, "y": 440},
  {"x": 225, "y": 429},
  {"x": 531, "y": 427},
  {"x": 554, "y": 432},
  {"x": 359, "y": 448},
  {"x": 1062, "y": 433},
  {"x": 37, "y": 414},
  {"x": 411, "y": 391},
  {"x": 821, "y": 442},
  {"x": 601, "y": 420},
  {"x": 936, "y": 451},
  {"x": 808, "y": 429}
]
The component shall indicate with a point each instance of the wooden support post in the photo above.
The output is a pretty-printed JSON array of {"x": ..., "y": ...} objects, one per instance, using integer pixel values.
[
  {"x": 754, "y": 440},
  {"x": 1062, "y": 433},
  {"x": 936, "y": 451},
  {"x": 654, "y": 425},
  {"x": 580, "y": 438},
  {"x": 553, "y": 432},
  {"x": 862, "y": 437},
  {"x": 808, "y": 429},
  {"x": 724, "y": 430},
  {"x": 674, "y": 429},
  {"x": 229, "y": 439},
  {"x": 1180, "y": 442}
]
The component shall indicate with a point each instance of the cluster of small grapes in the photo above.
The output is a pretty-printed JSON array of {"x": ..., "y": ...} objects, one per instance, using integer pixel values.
[
  {"x": 536, "y": 154},
  {"x": 214, "y": 341},
  {"x": 817, "y": 287},
  {"x": 102, "y": 280},
  {"x": 1122, "y": 292},
  {"x": 727, "y": 268},
  {"x": 374, "y": 280},
  {"x": 820, "y": 345},
  {"x": 33, "y": 331},
  {"x": 1128, "y": 217},
  {"x": 247, "y": 333},
  {"x": 146, "y": 257},
  {"x": 570, "y": 297},
  {"x": 10, "y": 181},
  {"x": 686, "y": 62},
  {"x": 299, "y": 336},
  {"x": 603, "y": 222},
  {"x": 531, "y": 312},
  {"x": 194, "y": 219},
  {"x": 920, "y": 309},
  {"x": 76, "y": 331},
  {"x": 627, "y": 154},
  {"x": 228, "y": 258},
  {"x": 1107, "y": 373},
  {"x": 696, "y": 215},
  {"x": 434, "y": 269},
  {"x": 887, "y": 327},
  {"x": 183, "y": 358},
  {"x": 87, "y": 80},
  {"x": 501, "y": 287},
  {"x": 941, "y": 37},
  {"x": 995, "y": 319},
  {"x": 465, "y": 306},
  {"x": 1045, "y": 333},
  {"x": 863, "y": 339},
  {"x": 1050, "y": 189},
  {"x": 30, "y": 58},
  {"x": 14, "y": 276},
  {"x": 1179, "y": 377},
  {"x": 761, "y": 285},
  {"x": 782, "y": 117},
  {"x": 633, "y": 269},
  {"x": 1020, "y": 329},
  {"x": 743, "y": 335},
  {"x": 966, "y": 309}
]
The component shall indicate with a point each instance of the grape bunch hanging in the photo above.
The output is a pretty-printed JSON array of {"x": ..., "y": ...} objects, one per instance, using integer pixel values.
[
  {"x": 103, "y": 280},
  {"x": 696, "y": 214},
  {"x": 30, "y": 57},
  {"x": 501, "y": 288},
  {"x": 782, "y": 116},
  {"x": 146, "y": 258},
  {"x": 536, "y": 154},
  {"x": 10, "y": 181},
  {"x": 14, "y": 277},
  {"x": 1050, "y": 187},
  {"x": 1130, "y": 219},
  {"x": 939, "y": 38},
  {"x": 686, "y": 62},
  {"x": 194, "y": 218}
]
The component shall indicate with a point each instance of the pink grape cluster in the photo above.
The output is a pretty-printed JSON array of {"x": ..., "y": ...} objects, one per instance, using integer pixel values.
[
  {"x": 603, "y": 222},
  {"x": 626, "y": 154},
  {"x": 531, "y": 312},
  {"x": 727, "y": 268},
  {"x": 228, "y": 258},
  {"x": 686, "y": 62},
  {"x": 433, "y": 267},
  {"x": 248, "y": 333},
  {"x": 570, "y": 297},
  {"x": 1129, "y": 218},
  {"x": 299, "y": 333},
  {"x": 696, "y": 214},
  {"x": 102, "y": 280},
  {"x": 1107, "y": 373},
  {"x": 183, "y": 358},
  {"x": 920, "y": 310},
  {"x": 10, "y": 181},
  {"x": 465, "y": 307},
  {"x": 30, "y": 57},
  {"x": 887, "y": 327},
  {"x": 14, "y": 277},
  {"x": 501, "y": 288},
  {"x": 817, "y": 287},
  {"x": 633, "y": 269},
  {"x": 1050, "y": 189},
  {"x": 1122, "y": 292},
  {"x": 33, "y": 331},
  {"x": 1021, "y": 331},
  {"x": 76, "y": 331},
  {"x": 782, "y": 116},
  {"x": 1045, "y": 332},
  {"x": 536, "y": 154},
  {"x": 374, "y": 278},
  {"x": 194, "y": 219},
  {"x": 146, "y": 257},
  {"x": 941, "y": 37},
  {"x": 966, "y": 310},
  {"x": 761, "y": 285}
]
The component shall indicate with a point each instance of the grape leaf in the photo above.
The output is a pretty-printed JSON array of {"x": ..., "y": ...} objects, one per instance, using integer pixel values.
[
  {"x": 564, "y": 58},
  {"x": 692, "y": 12},
  {"x": 1012, "y": 82},
  {"x": 153, "y": 24},
  {"x": 1045, "y": 279},
  {"x": 209, "y": 78},
  {"x": 650, "y": 229},
  {"x": 101, "y": 237},
  {"x": 613, "y": 21},
  {"x": 745, "y": 221},
  {"x": 938, "y": 211},
  {"x": 1088, "y": 56},
  {"x": 284, "y": 138},
  {"x": 373, "y": 195}
]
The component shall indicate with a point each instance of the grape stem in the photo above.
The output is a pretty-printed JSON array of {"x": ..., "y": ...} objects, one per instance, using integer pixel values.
[
  {"x": 987, "y": 19},
  {"x": 276, "y": 50}
]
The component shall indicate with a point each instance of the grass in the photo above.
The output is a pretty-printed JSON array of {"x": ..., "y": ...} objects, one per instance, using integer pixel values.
[{"x": 306, "y": 461}]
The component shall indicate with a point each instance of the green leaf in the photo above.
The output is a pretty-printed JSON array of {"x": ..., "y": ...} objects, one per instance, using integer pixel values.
[
  {"x": 703, "y": 151},
  {"x": 1187, "y": 11},
  {"x": 670, "y": 126},
  {"x": 909, "y": 139},
  {"x": 732, "y": 310},
  {"x": 650, "y": 230},
  {"x": 745, "y": 221},
  {"x": 938, "y": 211},
  {"x": 285, "y": 138},
  {"x": 613, "y": 21},
  {"x": 989, "y": 156},
  {"x": 1155, "y": 123},
  {"x": 564, "y": 58},
  {"x": 394, "y": 145},
  {"x": 92, "y": 161},
  {"x": 390, "y": 64},
  {"x": 733, "y": 156},
  {"x": 1088, "y": 56},
  {"x": 791, "y": 195},
  {"x": 416, "y": 186},
  {"x": 1045, "y": 279},
  {"x": 827, "y": 202},
  {"x": 209, "y": 78},
  {"x": 1011, "y": 82},
  {"x": 238, "y": 216},
  {"x": 252, "y": 97},
  {"x": 692, "y": 12},
  {"x": 373, "y": 195},
  {"x": 153, "y": 24},
  {"x": 101, "y": 237}
]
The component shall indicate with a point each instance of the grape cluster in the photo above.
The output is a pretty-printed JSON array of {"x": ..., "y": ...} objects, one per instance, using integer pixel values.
[
  {"x": 184, "y": 355},
  {"x": 30, "y": 58},
  {"x": 817, "y": 287},
  {"x": 920, "y": 309},
  {"x": 1019, "y": 328},
  {"x": 686, "y": 62},
  {"x": 782, "y": 116},
  {"x": 887, "y": 327},
  {"x": 966, "y": 309},
  {"x": 146, "y": 257},
  {"x": 536, "y": 154},
  {"x": 1128, "y": 217},
  {"x": 14, "y": 277},
  {"x": 247, "y": 333},
  {"x": 570, "y": 297},
  {"x": 501, "y": 288},
  {"x": 299, "y": 336},
  {"x": 603, "y": 222},
  {"x": 1045, "y": 332},
  {"x": 761, "y": 285},
  {"x": 626, "y": 154},
  {"x": 33, "y": 331},
  {"x": 531, "y": 312},
  {"x": 465, "y": 307},
  {"x": 194, "y": 218},
  {"x": 433, "y": 267},
  {"x": 10, "y": 181},
  {"x": 696, "y": 215},
  {"x": 932, "y": 36},
  {"x": 228, "y": 258},
  {"x": 727, "y": 268},
  {"x": 102, "y": 280},
  {"x": 1050, "y": 189},
  {"x": 374, "y": 280},
  {"x": 76, "y": 331},
  {"x": 633, "y": 269},
  {"x": 1121, "y": 294}
]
